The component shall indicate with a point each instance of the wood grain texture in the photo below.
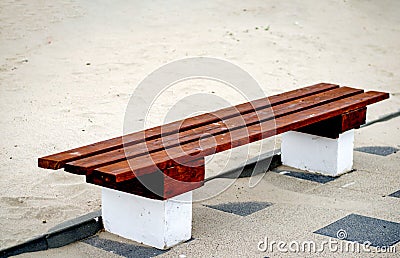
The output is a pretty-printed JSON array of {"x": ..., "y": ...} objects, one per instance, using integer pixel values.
[
  {"x": 86, "y": 165},
  {"x": 165, "y": 161},
  {"x": 57, "y": 161},
  {"x": 332, "y": 127},
  {"x": 120, "y": 171},
  {"x": 174, "y": 181}
]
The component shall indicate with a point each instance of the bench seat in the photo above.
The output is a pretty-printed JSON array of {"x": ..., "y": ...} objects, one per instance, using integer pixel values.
[{"x": 171, "y": 157}]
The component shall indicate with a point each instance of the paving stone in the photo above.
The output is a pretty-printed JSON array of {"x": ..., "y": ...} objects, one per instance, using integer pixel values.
[
  {"x": 378, "y": 150},
  {"x": 395, "y": 194},
  {"x": 123, "y": 249},
  {"x": 361, "y": 229},
  {"x": 306, "y": 176},
  {"x": 241, "y": 208}
]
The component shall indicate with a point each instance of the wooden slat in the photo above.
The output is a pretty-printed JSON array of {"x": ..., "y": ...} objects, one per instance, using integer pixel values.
[
  {"x": 333, "y": 127},
  {"x": 353, "y": 119},
  {"x": 86, "y": 165},
  {"x": 180, "y": 179},
  {"x": 121, "y": 171},
  {"x": 160, "y": 186},
  {"x": 58, "y": 160}
]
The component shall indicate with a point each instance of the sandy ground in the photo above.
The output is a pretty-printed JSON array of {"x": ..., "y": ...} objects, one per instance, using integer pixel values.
[{"x": 67, "y": 70}]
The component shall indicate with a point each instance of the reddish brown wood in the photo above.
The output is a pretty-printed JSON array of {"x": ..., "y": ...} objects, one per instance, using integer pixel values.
[
  {"x": 353, "y": 119},
  {"x": 86, "y": 165},
  {"x": 58, "y": 160},
  {"x": 147, "y": 164},
  {"x": 331, "y": 128},
  {"x": 176, "y": 180},
  {"x": 174, "y": 163}
]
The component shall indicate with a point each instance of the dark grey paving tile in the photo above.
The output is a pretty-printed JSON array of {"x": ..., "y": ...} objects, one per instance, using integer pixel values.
[
  {"x": 357, "y": 228},
  {"x": 123, "y": 249},
  {"x": 306, "y": 176},
  {"x": 395, "y": 194},
  {"x": 240, "y": 208},
  {"x": 378, "y": 150}
]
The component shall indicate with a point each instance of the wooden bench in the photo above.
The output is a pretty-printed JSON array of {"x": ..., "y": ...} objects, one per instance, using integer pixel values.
[{"x": 170, "y": 159}]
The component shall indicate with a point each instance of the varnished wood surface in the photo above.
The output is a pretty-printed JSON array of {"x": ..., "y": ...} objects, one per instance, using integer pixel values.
[
  {"x": 86, "y": 165},
  {"x": 174, "y": 160},
  {"x": 57, "y": 161},
  {"x": 121, "y": 171}
]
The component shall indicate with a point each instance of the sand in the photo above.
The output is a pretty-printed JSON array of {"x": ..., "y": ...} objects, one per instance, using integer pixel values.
[{"x": 67, "y": 71}]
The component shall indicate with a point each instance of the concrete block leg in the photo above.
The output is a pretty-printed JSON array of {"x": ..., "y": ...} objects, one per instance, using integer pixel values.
[
  {"x": 160, "y": 224},
  {"x": 323, "y": 155}
]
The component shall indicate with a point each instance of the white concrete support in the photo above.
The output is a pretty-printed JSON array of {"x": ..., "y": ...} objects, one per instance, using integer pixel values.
[
  {"x": 323, "y": 155},
  {"x": 161, "y": 224}
]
